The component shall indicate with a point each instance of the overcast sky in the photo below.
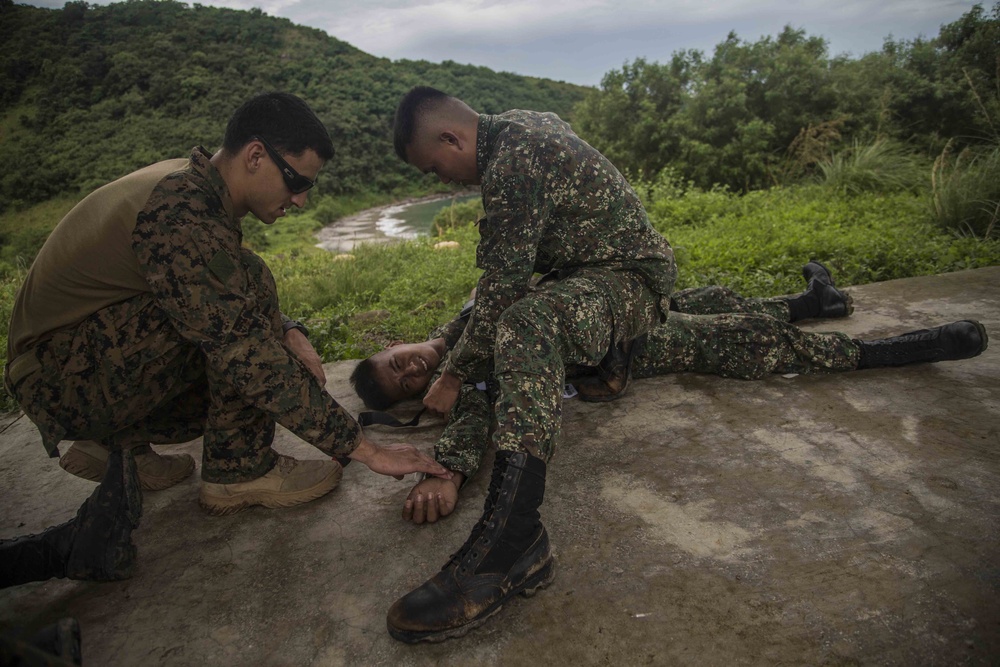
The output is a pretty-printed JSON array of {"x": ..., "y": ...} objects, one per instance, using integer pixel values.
[{"x": 579, "y": 40}]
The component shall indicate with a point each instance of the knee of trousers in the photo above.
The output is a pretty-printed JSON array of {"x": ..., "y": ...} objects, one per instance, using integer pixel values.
[
  {"x": 743, "y": 346},
  {"x": 527, "y": 340}
]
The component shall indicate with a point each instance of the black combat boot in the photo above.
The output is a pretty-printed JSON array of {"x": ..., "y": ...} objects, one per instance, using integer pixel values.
[
  {"x": 96, "y": 545},
  {"x": 506, "y": 554},
  {"x": 959, "y": 340},
  {"x": 821, "y": 298}
]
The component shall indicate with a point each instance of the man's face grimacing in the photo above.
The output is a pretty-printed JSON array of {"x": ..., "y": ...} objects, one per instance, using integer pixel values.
[{"x": 404, "y": 370}]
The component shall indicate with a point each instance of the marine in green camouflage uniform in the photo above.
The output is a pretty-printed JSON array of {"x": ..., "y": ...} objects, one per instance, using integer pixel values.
[
  {"x": 553, "y": 204},
  {"x": 197, "y": 349}
]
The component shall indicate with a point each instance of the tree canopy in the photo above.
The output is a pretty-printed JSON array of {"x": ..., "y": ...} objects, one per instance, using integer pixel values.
[{"x": 754, "y": 111}]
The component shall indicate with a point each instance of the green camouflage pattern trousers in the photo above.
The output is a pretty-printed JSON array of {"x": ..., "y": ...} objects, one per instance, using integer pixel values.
[
  {"x": 568, "y": 322},
  {"x": 124, "y": 376},
  {"x": 716, "y": 300},
  {"x": 742, "y": 345}
]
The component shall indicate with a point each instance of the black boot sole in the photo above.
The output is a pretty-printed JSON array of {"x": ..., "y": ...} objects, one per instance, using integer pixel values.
[{"x": 537, "y": 581}]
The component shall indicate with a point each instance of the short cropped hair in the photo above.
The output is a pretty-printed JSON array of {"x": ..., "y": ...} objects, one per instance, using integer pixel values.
[
  {"x": 409, "y": 112},
  {"x": 284, "y": 120},
  {"x": 367, "y": 387}
]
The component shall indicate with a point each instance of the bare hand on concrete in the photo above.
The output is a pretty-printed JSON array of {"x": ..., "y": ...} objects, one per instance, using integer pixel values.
[
  {"x": 432, "y": 499},
  {"x": 397, "y": 460}
]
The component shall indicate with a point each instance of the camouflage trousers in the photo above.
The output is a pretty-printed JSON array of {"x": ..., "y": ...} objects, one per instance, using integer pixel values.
[
  {"x": 570, "y": 321},
  {"x": 717, "y": 300},
  {"x": 741, "y": 345},
  {"x": 125, "y": 376}
]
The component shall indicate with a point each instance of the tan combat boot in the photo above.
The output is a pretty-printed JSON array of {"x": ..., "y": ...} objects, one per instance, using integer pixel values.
[
  {"x": 89, "y": 459},
  {"x": 290, "y": 482}
]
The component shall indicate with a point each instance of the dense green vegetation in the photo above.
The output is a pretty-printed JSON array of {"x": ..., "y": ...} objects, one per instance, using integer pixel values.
[
  {"x": 750, "y": 162},
  {"x": 756, "y": 114},
  {"x": 756, "y": 244}
]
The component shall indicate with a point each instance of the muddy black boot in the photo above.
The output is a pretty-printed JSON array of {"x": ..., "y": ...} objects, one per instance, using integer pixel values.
[
  {"x": 506, "y": 554},
  {"x": 959, "y": 340},
  {"x": 821, "y": 299},
  {"x": 96, "y": 545}
]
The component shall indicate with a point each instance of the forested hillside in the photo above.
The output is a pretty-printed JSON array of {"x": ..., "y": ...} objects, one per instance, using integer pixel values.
[{"x": 88, "y": 93}]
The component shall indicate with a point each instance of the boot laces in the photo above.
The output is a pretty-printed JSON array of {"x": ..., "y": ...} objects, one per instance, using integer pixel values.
[{"x": 485, "y": 521}]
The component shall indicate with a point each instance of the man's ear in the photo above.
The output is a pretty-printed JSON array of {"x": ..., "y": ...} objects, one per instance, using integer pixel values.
[
  {"x": 253, "y": 153},
  {"x": 394, "y": 344},
  {"x": 451, "y": 139}
]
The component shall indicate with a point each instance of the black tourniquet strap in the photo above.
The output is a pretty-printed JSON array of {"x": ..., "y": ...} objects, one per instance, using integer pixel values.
[{"x": 385, "y": 419}]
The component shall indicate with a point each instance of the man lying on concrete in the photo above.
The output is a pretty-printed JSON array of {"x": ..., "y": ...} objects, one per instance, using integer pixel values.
[
  {"x": 143, "y": 320},
  {"x": 405, "y": 370},
  {"x": 712, "y": 330}
]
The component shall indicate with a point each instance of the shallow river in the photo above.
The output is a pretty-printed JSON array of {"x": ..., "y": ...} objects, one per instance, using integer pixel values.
[{"x": 384, "y": 223}]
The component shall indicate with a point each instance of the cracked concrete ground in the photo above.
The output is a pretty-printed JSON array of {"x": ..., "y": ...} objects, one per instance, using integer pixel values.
[{"x": 840, "y": 519}]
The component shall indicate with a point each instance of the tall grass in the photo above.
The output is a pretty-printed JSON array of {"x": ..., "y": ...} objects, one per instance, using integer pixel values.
[
  {"x": 880, "y": 166},
  {"x": 965, "y": 190}
]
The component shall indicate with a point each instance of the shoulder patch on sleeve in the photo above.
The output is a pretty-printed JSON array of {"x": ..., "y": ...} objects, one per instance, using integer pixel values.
[{"x": 222, "y": 266}]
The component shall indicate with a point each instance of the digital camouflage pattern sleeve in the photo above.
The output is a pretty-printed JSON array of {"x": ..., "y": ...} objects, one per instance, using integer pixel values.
[{"x": 553, "y": 203}]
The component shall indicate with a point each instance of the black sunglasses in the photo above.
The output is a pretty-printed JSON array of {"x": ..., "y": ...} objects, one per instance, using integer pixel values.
[{"x": 295, "y": 181}]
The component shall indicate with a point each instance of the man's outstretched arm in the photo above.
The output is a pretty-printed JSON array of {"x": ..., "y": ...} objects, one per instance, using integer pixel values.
[{"x": 460, "y": 449}]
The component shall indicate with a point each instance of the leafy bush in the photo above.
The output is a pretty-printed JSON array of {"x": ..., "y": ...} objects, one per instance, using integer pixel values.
[
  {"x": 759, "y": 242},
  {"x": 458, "y": 215},
  {"x": 356, "y": 303},
  {"x": 677, "y": 203}
]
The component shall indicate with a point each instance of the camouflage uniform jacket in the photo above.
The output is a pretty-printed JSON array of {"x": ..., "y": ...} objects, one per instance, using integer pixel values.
[
  {"x": 187, "y": 248},
  {"x": 553, "y": 203}
]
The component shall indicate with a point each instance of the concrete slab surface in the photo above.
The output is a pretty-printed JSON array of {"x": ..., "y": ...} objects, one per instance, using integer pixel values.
[{"x": 838, "y": 519}]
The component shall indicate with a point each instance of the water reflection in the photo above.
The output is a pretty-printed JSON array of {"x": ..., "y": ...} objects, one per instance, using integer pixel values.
[
  {"x": 384, "y": 224},
  {"x": 409, "y": 221}
]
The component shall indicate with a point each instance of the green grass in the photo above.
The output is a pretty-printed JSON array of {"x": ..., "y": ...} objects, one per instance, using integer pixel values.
[
  {"x": 878, "y": 167},
  {"x": 966, "y": 191},
  {"x": 756, "y": 244}
]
